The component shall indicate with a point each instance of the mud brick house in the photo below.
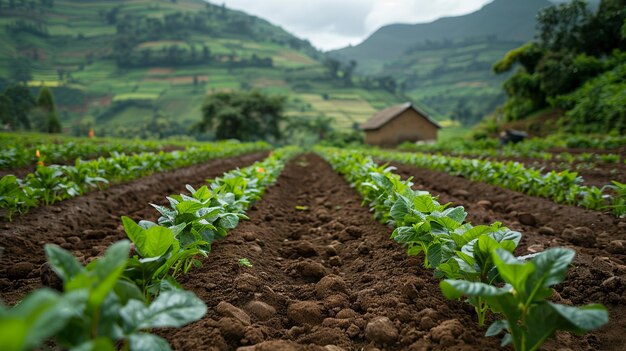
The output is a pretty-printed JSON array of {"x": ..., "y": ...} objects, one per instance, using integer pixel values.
[{"x": 397, "y": 124}]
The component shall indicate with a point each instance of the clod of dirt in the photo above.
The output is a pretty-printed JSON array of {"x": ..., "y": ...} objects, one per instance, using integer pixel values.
[
  {"x": 428, "y": 318},
  {"x": 353, "y": 330},
  {"x": 581, "y": 236},
  {"x": 228, "y": 310},
  {"x": 331, "y": 250},
  {"x": 336, "y": 302},
  {"x": 617, "y": 247},
  {"x": 309, "y": 270},
  {"x": 323, "y": 215},
  {"x": 527, "y": 218},
  {"x": 324, "y": 336},
  {"x": 249, "y": 236},
  {"x": 484, "y": 203},
  {"x": 460, "y": 193},
  {"x": 95, "y": 233},
  {"x": 346, "y": 313},
  {"x": 546, "y": 231},
  {"x": 20, "y": 270},
  {"x": 329, "y": 285},
  {"x": 305, "y": 249},
  {"x": 335, "y": 261},
  {"x": 253, "y": 335},
  {"x": 381, "y": 331},
  {"x": 260, "y": 310},
  {"x": 279, "y": 345},
  {"x": 247, "y": 282},
  {"x": 73, "y": 240},
  {"x": 305, "y": 312},
  {"x": 231, "y": 328},
  {"x": 411, "y": 288},
  {"x": 354, "y": 231},
  {"x": 49, "y": 278},
  {"x": 447, "y": 332}
]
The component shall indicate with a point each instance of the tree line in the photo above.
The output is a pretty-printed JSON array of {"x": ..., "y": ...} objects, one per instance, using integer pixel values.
[
  {"x": 20, "y": 110},
  {"x": 577, "y": 62}
]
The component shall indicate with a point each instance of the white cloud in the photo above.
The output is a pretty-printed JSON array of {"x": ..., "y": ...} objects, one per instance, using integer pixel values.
[{"x": 331, "y": 24}]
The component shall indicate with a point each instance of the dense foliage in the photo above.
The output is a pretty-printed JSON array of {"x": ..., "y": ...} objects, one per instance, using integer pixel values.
[
  {"x": 50, "y": 184},
  {"x": 475, "y": 260},
  {"x": 245, "y": 116},
  {"x": 561, "y": 187},
  {"x": 573, "y": 46}
]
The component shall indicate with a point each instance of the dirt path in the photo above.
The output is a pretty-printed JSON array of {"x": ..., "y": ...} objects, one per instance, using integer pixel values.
[
  {"x": 86, "y": 225},
  {"x": 599, "y": 273},
  {"x": 325, "y": 276}
]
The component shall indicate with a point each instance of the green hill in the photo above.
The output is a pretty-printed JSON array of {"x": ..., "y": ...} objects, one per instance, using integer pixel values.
[
  {"x": 446, "y": 64},
  {"x": 128, "y": 63}
]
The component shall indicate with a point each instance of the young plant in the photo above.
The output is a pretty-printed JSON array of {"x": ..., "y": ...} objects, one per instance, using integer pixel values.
[
  {"x": 529, "y": 318},
  {"x": 98, "y": 309}
]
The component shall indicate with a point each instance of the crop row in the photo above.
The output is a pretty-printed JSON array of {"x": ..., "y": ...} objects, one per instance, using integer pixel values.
[
  {"x": 49, "y": 184},
  {"x": 117, "y": 299},
  {"x": 510, "y": 152},
  {"x": 21, "y": 149},
  {"x": 474, "y": 261},
  {"x": 562, "y": 187},
  {"x": 527, "y": 148}
]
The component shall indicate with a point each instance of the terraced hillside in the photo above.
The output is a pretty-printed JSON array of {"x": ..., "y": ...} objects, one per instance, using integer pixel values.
[{"x": 124, "y": 64}]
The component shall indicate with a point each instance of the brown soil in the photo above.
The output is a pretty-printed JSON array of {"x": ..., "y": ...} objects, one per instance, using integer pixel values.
[
  {"x": 329, "y": 278},
  {"x": 325, "y": 276},
  {"x": 599, "y": 272},
  {"x": 86, "y": 225}
]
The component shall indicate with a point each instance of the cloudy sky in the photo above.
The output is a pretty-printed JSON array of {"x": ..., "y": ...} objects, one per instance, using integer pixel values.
[{"x": 331, "y": 24}]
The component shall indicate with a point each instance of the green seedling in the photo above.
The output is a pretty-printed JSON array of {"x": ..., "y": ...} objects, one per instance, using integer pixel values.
[{"x": 244, "y": 262}]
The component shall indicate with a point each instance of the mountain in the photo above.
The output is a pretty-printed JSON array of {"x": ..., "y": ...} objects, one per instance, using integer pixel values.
[
  {"x": 509, "y": 20},
  {"x": 128, "y": 64},
  {"x": 446, "y": 64}
]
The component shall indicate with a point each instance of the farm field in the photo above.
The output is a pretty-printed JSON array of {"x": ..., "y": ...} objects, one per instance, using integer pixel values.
[{"x": 321, "y": 273}]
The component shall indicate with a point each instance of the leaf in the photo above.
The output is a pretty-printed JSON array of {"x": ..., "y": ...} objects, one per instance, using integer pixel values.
[
  {"x": 173, "y": 308},
  {"x": 147, "y": 342},
  {"x": 551, "y": 266},
  {"x": 39, "y": 316},
  {"x": 62, "y": 262},
  {"x": 584, "y": 318},
  {"x": 497, "y": 327},
  {"x": 513, "y": 271},
  {"x": 100, "y": 344},
  {"x": 302, "y": 208},
  {"x": 453, "y": 289},
  {"x": 424, "y": 203},
  {"x": 229, "y": 220}
]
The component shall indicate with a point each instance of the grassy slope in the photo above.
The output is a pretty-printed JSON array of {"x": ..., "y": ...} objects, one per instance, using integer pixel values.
[
  {"x": 76, "y": 30},
  {"x": 439, "y": 76}
]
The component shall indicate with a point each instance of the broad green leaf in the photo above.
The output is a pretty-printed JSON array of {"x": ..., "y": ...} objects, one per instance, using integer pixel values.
[
  {"x": 424, "y": 203},
  {"x": 399, "y": 210},
  {"x": 62, "y": 262},
  {"x": 583, "y": 318},
  {"x": 147, "y": 342},
  {"x": 173, "y": 308},
  {"x": 453, "y": 289},
  {"x": 458, "y": 214},
  {"x": 513, "y": 271},
  {"x": 39, "y": 316},
  {"x": 229, "y": 220},
  {"x": 157, "y": 241},
  {"x": 551, "y": 266}
]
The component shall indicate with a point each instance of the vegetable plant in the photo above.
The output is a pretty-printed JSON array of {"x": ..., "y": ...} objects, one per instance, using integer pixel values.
[{"x": 529, "y": 318}]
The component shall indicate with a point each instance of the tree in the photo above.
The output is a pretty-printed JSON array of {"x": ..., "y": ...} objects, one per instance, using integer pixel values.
[
  {"x": 45, "y": 103},
  {"x": 6, "y": 111},
  {"x": 22, "y": 102},
  {"x": 246, "y": 116}
]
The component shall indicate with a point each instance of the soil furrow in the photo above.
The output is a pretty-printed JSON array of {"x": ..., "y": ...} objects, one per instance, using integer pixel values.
[
  {"x": 325, "y": 276},
  {"x": 88, "y": 224},
  {"x": 599, "y": 272}
]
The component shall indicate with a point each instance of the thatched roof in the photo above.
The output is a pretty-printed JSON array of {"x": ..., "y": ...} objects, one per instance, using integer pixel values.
[{"x": 383, "y": 117}]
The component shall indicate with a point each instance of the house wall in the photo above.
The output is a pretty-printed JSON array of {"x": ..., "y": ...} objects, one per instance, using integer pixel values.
[{"x": 409, "y": 126}]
